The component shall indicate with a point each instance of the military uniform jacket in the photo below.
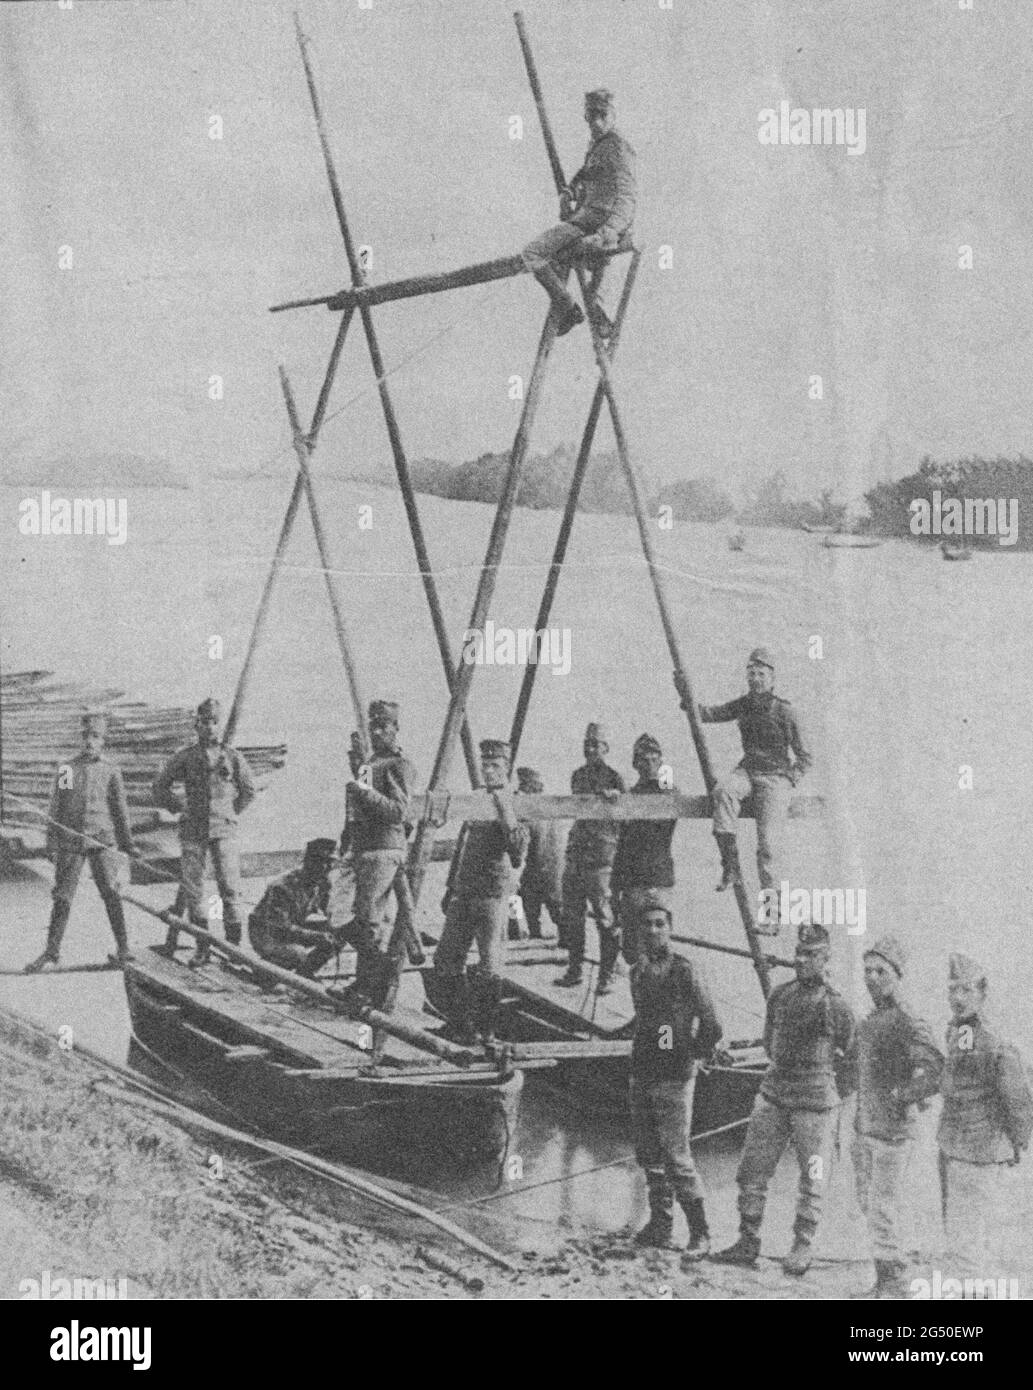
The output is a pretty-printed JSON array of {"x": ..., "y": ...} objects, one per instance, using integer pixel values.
[
  {"x": 284, "y": 910},
  {"x": 605, "y": 186},
  {"x": 675, "y": 1023},
  {"x": 770, "y": 732},
  {"x": 643, "y": 858},
  {"x": 898, "y": 1065},
  {"x": 809, "y": 1036},
  {"x": 484, "y": 865},
  {"x": 987, "y": 1105},
  {"x": 593, "y": 843},
  {"x": 218, "y": 786},
  {"x": 94, "y": 804},
  {"x": 376, "y": 813}
]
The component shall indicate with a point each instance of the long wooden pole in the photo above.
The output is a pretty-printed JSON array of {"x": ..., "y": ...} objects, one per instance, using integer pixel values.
[
  {"x": 570, "y": 510},
  {"x": 301, "y": 449},
  {"x": 682, "y": 680},
  {"x": 287, "y": 527},
  {"x": 502, "y": 268},
  {"x": 424, "y": 840},
  {"x": 387, "y": 406}
]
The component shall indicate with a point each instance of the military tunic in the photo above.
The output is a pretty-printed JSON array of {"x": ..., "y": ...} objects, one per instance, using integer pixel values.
[{"x": 88, "y": 817}]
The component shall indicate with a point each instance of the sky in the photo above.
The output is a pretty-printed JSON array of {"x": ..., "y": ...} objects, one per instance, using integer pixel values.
[{"x": 787, "y": 262}]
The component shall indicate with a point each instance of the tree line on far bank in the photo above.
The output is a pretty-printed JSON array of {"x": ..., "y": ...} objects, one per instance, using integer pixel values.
[{"x": 547, "y": 478}]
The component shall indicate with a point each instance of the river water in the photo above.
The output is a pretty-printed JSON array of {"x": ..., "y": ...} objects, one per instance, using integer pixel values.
[{"x": 914, "y": 677}]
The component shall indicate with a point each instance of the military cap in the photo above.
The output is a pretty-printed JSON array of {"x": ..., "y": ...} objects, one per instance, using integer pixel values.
[
  {"x": 94, "y": 719},
  {"x": 597, "y": 731},
  {"x": 320, "y": 849},
  {"x": 653, "y": 900},
  {"x": 495, "y": 748},
  {"x": 761, "y": 656},
  {"x": 965, "y": 971},
  {"x": 889, "y": 949},
  {"x": 209, "y": 707},
  {"x": 383, "y": 709},
  {"x": 812, "y": 937},
  {"x": 645, "y": 743},
  {"x": 599, "y": 99},
  {"x": 528, "y": 780}
]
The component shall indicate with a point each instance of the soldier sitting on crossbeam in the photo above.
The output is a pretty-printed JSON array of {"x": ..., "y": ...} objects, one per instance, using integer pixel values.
[{"x": 597, "y": 213}]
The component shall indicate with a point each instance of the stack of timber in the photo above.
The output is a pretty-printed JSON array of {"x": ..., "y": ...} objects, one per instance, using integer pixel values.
[{"x": 39, "y": 729}]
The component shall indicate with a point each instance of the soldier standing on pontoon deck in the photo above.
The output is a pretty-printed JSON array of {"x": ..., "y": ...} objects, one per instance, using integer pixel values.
[
  {"x": 88, "y": 817},
  {"x": 899, "y": 1068},
  {"x": 643, "y": 863},
  {"x": 774, "y": 759},
  {"x": 541, "y": 881},
  {"x": 591, "y": 846},
  {"x": 597, "y": 210},
  {"x": 476, "y": 905},
  {"x": 675, "y": 1028},
  {"x": 218, "y": 788},
  {"x": 282, "y": 930},
  {"x": 375, "y": 833},
  {"x": 985, "y": 1122},
  {"x": 809, "y": 1036}
]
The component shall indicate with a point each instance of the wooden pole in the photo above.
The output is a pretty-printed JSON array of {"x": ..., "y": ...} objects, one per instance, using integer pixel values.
[
  {"x": 502, "y": 268},
  {"x": 416, "y": 1037},
  {"x": 424, "y": 840},
  {"x": 301, "y": 449},
  {"x": 567, "y": 523},
  {"x": 682, "y": 681},
  {"x": 244, "y": 678},
  {"x": 387, "y": 406}
]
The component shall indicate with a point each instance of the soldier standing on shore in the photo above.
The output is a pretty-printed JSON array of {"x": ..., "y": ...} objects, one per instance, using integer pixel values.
[
  {"x": 775, "y": 757},
  {"x": 643, "y": 862},
  {"x": 541, "y": 881},
  {"x": 88, "y": 817},
  {"x": 674, "y": 1028},
  {"x": 809, "y": 1037},
  {"x": 476, "y": 905},
  {"x": 591, "y": 847},
  {"x": 281, "y": 929},
  {"x": 218, "y": 788},
  {"x": 603, "y": 191},
  {"x": 899, "y": 1068},
  {"x": 375, "y": 833},
  {"x": 985, "y": 1122}
]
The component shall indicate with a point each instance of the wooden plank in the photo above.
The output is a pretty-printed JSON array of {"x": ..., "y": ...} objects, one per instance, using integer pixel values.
[{"x": 571, "y": 1051}]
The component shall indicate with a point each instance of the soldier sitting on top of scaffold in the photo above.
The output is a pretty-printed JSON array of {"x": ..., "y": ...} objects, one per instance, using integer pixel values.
[
  {"x": 375, "y": 832},
  {"x": 597, "y": 210},
  {"x": 88, "y": 817},
  {"x": 591, "y": 846},
  {"x": 644, "y": 862},
  {"x": 218, "y": 787},
  {"x": 541, "y": 881},
  {"x": 774, "y": 759},
  {"x": 476, "y": 904},
  {"x": 282, "y": 930}
]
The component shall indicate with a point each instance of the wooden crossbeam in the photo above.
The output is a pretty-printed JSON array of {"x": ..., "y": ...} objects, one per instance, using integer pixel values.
[
  {"x": 479, "y": 806},
  {"x": 356, "y": 296}
]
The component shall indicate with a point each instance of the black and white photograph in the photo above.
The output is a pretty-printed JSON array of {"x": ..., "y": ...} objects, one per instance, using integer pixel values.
[{"x": 516, "y": 659}]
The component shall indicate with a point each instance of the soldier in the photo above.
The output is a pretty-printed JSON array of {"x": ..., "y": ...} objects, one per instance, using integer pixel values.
[
  {"x": 985, "y": 1122},
  {"x": 591, "y": 847},
  {"x": 603, "y": 191},
  {"x": 280, "y": 930},
  {"x": 88, "y": 817},
  {"x": 809, "y": 1037},
  {"x": 675, "y": 1026},
  {"x": 376, "y": 831},
  {"x": 774, "y": 759},
  {"x": 218, "y": 788},
  {"x": 541, "y": 881},
  {"x": 899, "y": 1068},
  {"x": 475, "y": 904},
  {"x": 643, "y": 861}
]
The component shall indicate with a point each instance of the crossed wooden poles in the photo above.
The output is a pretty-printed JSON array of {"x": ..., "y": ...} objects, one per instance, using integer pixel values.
[{"x": 459, "y": 674}]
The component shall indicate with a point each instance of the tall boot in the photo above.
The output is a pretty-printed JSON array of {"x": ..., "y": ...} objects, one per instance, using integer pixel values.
[
  {"x": 699, "y": 1232},
  {"x": 117, "y": 918},
  {"x": 609, "y": 949},
  {"x": 746, "y": 1249},
  {"x": 798, "y": 1261},
  {"x": 731, "y": 873},
  {"x": 59, "y": 914},
  {"x": 889, "y": 1281},
  {"x": 659, "y": 1229},
  {"x": 566, "y": 312},
  {"x": 486, "y": 993}
]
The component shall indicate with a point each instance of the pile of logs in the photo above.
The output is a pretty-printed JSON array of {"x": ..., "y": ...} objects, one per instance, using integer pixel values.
[{"x": 39, "y": 728}]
